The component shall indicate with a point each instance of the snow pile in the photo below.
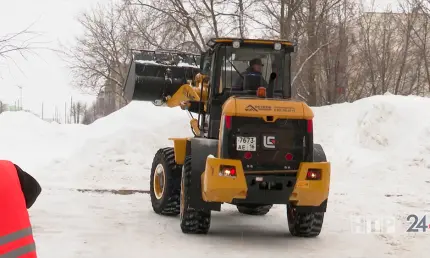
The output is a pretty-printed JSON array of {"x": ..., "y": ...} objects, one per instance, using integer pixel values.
[
  {"x": 117, "y": 151},
  {"x": 119, "y": 148},
  {"x": 379, "y": 148},
  {"x": 32, "y": 142},
  {"x": 380, "y": 128}
]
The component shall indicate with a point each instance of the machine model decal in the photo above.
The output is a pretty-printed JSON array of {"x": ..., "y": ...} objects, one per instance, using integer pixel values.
[
  {"x": 285, "y": 109},
  {"x": 258, "y": 108}
]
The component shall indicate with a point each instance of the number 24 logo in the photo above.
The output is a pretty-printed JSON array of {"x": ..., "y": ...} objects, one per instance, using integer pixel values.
[{"x": 416, "y": 225}]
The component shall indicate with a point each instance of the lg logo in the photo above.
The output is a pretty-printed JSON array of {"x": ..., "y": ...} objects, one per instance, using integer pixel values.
[{"x": 269, "y": 142}]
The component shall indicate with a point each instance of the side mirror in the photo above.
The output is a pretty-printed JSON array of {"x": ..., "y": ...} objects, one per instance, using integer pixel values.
[
  {"x": 206, "y": 69},
  {"x": 204, "y": 65},
  {"x": 202, "y": 60},
  {"x": 272, "y": 77}
]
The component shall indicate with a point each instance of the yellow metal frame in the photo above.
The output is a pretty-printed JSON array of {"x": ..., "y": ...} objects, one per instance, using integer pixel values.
[
  {"x": 311, "y": 192},
  {"x": 180, "y": 149},
  {"x": 216, "y": 188},
  {"x": 184, "y": 93},
  {"x": 267, "y": 107}
]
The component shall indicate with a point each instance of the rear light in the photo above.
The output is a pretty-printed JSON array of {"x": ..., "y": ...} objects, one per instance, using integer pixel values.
[
  {"x": 313, "y": 174},
  {"x": 247, "y": 155},
  {"x": 228, "y": 171},
  {"x": 310, "y": 126},
  {"x": 227, "y": 122},
  {"x": 289, "y": 156}
]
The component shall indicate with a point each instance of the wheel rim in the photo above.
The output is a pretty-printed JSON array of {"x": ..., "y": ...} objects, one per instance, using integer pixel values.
[{"x": 159, "y": 181}]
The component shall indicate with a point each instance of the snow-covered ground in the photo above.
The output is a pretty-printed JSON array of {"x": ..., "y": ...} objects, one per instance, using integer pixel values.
[{"x": 380, "y": 153}]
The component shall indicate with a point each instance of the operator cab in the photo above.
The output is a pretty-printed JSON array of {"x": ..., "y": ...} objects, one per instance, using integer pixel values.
[
  {"x": 237, "y": 76},
  {"x": 228, "y": 61}
]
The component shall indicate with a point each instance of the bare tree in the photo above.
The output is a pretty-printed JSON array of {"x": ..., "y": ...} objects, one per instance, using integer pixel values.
[
  {"x": 101, "y": 54},
  {"x": 344, "y": 52},
  {"x": 190, "y": 23},
  {"x": 92, "y": 113},
  {"x": 3, "y": 107},
  {"x": 20, "y": 44},
  {"x": 406, "y": 26},
  {"x": 176, "y": 14},
  {"x": 421, "y": 37},
  {"x": 153, "y": 30},
  {"x": 88, "y": 117},
  {"x": 77, "y": 111}
]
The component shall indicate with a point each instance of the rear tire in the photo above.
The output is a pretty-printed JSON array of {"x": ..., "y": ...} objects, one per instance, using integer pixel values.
[
  {"x": 319, "y": 154},
  {"x": 307, "y": 224},
  {"x": 256, "y": 210},
  {"x": 165, "y": 195},
  {"x": 193, "y": 221}
]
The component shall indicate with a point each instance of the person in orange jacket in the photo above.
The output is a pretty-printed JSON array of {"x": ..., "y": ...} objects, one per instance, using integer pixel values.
[{"x": 18, "y": 192}]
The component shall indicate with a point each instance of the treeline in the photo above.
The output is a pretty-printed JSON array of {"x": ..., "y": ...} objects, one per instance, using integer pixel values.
[{"x": 344, "y": 53}]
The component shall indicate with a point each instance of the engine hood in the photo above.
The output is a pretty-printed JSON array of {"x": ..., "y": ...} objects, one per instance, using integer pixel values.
[{"x": 258, "y": 107}]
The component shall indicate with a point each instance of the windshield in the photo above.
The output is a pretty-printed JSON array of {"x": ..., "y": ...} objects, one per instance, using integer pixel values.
[{"x": 250, "y": 68}]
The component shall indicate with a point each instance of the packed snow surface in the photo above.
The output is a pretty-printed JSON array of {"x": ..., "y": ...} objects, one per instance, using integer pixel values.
[{"x": 379, "y": 149}]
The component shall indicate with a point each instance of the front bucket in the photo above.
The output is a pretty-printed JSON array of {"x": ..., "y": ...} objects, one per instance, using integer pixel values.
[{"x": 146, "y": 79}]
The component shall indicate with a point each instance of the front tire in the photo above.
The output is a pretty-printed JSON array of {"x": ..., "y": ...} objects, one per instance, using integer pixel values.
[
  {"x": 256, "y": 210},
  {"x": 165, "y": 183},
  {"x": 304, "y": 224},
  {"x": 193, "y": 221}
]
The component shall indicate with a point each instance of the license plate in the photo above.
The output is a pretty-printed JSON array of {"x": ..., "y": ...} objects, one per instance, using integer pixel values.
[{"x": 246, "y": 143}]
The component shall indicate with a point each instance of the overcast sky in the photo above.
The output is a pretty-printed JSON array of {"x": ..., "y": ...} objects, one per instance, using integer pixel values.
[{"x": 44, "y": 78}]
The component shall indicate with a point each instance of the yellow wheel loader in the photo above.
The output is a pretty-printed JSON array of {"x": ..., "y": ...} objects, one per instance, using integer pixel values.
[{"x": 253, "y": 145}]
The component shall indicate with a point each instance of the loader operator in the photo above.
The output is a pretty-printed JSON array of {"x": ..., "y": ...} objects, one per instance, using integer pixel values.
[
  {"x": 255, "y": 67},
  {"x": 18, "y": 192}
]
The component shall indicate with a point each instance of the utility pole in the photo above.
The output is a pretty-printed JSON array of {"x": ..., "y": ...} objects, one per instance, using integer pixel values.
[
  {"x": 20, "y": 96},
  {"x": 65, "y": 112},
  {"x": 71, "y": 110}
]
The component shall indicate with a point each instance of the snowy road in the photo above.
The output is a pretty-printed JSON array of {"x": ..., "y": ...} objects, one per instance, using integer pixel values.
[{"x": 76, "y": 224}]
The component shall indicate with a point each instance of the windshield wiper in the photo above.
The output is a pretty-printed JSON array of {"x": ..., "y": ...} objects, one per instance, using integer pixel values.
[{"x": 237, "y": 71}]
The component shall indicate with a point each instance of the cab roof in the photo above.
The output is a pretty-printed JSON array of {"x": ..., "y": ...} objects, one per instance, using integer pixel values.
[{"x": 256, "y": 42}]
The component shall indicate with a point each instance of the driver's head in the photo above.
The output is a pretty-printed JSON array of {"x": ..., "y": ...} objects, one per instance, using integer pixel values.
[{"x": 256, "y": 64}]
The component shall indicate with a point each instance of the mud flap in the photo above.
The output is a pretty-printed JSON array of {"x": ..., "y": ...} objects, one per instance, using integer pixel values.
[{"x": 200, "y": 149}]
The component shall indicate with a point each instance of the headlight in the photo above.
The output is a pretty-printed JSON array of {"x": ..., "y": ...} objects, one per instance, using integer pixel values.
[{"x": 236, "y": 44}]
